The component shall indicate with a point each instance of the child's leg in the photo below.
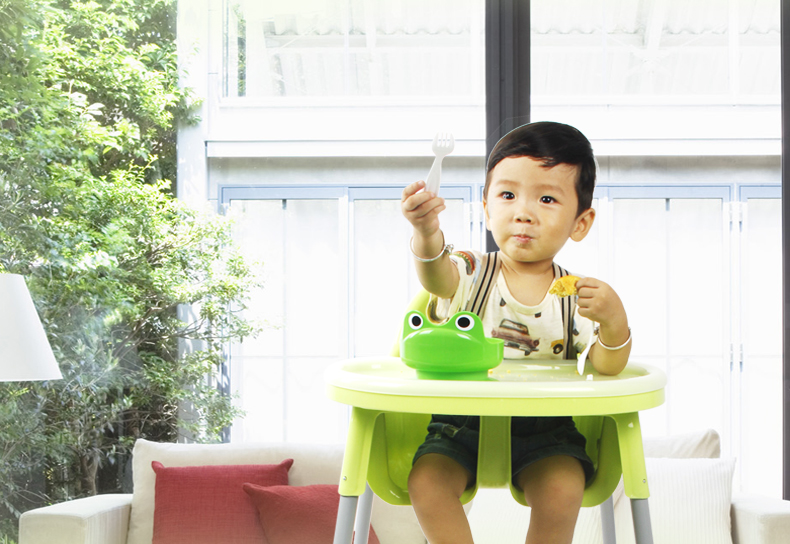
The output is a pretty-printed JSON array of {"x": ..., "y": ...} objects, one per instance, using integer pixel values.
[
  {"x": 436, "y": 484},
  {"x": 554, "y": 488}
]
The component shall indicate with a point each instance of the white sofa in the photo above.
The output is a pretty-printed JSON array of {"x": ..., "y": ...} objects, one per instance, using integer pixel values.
[{"x": 685, "y": 474}]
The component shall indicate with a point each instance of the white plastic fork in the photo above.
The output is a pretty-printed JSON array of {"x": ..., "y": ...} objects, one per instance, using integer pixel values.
[{"x": 443, "y": 144}]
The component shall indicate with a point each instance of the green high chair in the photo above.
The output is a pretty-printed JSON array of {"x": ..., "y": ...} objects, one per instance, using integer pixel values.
[{"x": 391, "y": 411}]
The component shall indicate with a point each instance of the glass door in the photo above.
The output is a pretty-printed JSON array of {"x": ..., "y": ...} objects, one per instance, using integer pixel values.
[
  {"x": 758, "y": 367},
  {"x": 666, "y": 251},
  {"x": 278, "y": 376},
  {"x": 337, "y": 274}
]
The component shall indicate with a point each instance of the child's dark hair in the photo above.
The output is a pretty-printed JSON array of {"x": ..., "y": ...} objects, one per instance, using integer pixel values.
[{"x": 553, "y": 143}]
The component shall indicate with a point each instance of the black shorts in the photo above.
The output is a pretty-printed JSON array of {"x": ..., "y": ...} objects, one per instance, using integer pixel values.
[{"x": 532, "y": 439}]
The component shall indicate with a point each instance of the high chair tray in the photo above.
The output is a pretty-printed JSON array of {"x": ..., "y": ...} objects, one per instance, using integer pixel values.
[{"x": 511, "y": 388}]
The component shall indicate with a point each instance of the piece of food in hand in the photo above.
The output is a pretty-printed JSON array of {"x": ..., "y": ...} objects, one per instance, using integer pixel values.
[{"x": 564, "y": 286}]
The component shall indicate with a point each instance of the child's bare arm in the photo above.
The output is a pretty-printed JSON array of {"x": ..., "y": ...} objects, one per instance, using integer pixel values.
[
  {"x": 599, "y": 302},
  {"x": 422, "y": 209}
]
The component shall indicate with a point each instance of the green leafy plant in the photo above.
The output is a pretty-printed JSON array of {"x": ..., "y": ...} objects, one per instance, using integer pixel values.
[{"x": 139, "y": 294}]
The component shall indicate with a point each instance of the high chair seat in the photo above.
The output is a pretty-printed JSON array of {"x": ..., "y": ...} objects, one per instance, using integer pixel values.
[{"x": 391, "y": 409}]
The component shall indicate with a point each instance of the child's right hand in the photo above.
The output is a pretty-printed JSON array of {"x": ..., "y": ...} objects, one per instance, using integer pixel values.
[{"x": 422, "y": 208}]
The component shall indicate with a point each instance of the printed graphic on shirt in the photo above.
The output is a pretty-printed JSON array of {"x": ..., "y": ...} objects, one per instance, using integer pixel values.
[
  {"x": 516, "y": 336},
  {"x": 533, "y": 340}
]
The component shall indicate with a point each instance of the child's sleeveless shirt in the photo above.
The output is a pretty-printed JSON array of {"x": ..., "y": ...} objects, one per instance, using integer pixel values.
[{"x": 528, "y": 332}]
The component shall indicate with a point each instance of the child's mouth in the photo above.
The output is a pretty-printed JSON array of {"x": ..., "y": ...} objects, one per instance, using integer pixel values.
[{"x": 522, "y": 238}]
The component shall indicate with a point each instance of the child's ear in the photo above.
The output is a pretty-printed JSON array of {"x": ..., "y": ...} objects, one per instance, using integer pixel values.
[
  {"x": 583, "y": 225},
  {"x": 485, "y": 213}
]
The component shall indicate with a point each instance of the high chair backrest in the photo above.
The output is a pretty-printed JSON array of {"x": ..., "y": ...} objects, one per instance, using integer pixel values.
[{"x": 397, "y": 436}]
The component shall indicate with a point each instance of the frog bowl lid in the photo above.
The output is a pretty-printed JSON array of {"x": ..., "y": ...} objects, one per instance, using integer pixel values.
[{"x": 456, "y": 349}]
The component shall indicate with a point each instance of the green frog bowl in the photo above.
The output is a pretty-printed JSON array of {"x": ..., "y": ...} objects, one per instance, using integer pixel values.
[{"x": 457, "y": 349}]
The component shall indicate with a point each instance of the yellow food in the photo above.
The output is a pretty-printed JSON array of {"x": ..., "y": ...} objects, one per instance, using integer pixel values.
[{"x": 564, "y": 286}]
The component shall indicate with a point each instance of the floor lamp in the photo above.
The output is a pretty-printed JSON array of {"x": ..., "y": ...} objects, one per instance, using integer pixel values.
[{"x": 25, "y": 353}]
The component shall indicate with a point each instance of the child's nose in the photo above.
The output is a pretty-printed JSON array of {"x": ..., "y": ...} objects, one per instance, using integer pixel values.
[{"x": 525, "y": 214}]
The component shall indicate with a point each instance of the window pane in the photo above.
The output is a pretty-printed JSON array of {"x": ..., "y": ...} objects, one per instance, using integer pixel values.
[
  {"x": 384, "y": 274},
  {"x": 314, "y": 270},
  {"x": 671, "y": 272},
  {"x": 658, "y": 77},
  {"x": 761, "y": 378},
  {"x": 310, "y": 416},
  {"x": 258, "y": 382},
  {"x": 302, "y": 304},
  {"x": 762, "y": 266},
  {"x": 697, "y": 272},
  {"x": 354, "y": 48},
  {"x": 640, "y": 240},
  {"x": 698, "y": 396},
  {"x": 625, "y": 48},
  {"x": 267, "y": 305},
  {"x": 382, "y": 268},
  {"x": 288, "y": 238}
]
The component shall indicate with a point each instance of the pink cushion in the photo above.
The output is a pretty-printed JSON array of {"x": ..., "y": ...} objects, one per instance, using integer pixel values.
[
  {"x": 206, "y": 504},
  {"x": 298, "y": 514}
]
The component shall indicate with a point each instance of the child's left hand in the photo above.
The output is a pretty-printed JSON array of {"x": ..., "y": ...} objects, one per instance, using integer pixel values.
[{"x": 599, "y": 302}]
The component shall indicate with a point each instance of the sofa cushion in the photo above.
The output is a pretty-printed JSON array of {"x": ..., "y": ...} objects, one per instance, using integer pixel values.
[
  {"x": 689, "y": 502},
  {"x": 684, "y": 446},
  {"x": 206, "y": 504},
  {"x": 298, "y": 514}
]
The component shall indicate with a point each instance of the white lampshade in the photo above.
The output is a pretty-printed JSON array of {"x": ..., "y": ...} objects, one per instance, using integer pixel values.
[{"x": 25, "y": 353}]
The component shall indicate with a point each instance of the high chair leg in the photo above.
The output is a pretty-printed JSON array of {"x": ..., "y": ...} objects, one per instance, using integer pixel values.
[
  {"x": 362, "y": 525},
  {"x": 643, "y": 529},
  {"x": 607, "y": 521},
  {"x": 346, "y": 512},
  {"x": 353, "y": 481}
]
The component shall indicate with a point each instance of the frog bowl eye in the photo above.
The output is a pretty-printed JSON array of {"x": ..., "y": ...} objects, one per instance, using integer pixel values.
[
  {"x": 464, "y": 323},
  {"x": 415, "y": 321}
]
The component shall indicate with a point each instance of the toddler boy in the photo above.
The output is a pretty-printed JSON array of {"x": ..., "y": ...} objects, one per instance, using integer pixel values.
[{"x": 537, "y": 195}]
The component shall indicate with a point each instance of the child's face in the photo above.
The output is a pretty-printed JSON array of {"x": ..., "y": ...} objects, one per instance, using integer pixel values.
[{"x": 531, "y": 210}]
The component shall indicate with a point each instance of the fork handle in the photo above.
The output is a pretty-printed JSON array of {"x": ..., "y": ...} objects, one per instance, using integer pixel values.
[{"x": 434, "y": 176}]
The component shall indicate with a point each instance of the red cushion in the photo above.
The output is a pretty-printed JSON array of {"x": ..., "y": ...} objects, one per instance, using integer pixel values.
[
  {"x": 298, "y": 514},
  {"x": 206, "y": 504}
]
